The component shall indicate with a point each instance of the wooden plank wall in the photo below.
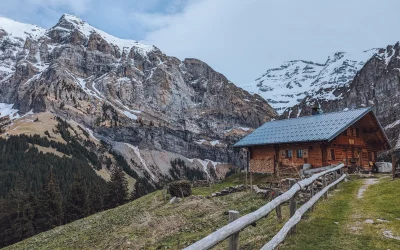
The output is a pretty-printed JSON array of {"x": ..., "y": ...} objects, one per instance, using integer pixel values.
[
  {"x": 363, "y": 149},
  {"x": 263, "y": 157}
]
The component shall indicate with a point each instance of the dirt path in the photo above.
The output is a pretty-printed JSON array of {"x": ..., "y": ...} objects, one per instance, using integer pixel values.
[
  {"x": 367, "y": 183},
  {"x": 362, "y": 214}
]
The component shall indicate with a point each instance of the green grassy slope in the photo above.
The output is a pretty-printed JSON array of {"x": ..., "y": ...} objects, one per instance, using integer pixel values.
[
  {"x": 339, "y": 222},
  {"x": 152, "y": 223}
]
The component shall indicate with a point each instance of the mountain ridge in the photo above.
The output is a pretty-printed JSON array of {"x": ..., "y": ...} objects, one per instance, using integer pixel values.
[
  {"x": 287, "y": 85},
  {"x": 129, "y": 93}
]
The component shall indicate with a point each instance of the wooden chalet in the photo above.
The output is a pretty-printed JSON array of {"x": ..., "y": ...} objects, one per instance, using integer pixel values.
[{"x": 351, "y": 137}]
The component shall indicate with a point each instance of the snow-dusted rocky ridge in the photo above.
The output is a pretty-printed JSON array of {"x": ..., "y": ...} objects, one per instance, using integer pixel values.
[
  {"x": 127, "y": 93},
  {"x": 376, "y": 84},
  {"x": 344, "y": 81},
  {"x": 289, "y": 84}
]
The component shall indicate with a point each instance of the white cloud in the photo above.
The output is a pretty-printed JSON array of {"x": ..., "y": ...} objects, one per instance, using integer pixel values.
[
  {"x": 76, "y": 6},
  {"x": 151, "y": 21},
  {"x": 244, "y": 38},
  {"x": 239, "y": 38}
]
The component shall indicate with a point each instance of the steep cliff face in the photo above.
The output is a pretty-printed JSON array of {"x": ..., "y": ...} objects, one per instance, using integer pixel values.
[
  {"x": 131, "y": 95},
  {"x": 377, "y": 84}
]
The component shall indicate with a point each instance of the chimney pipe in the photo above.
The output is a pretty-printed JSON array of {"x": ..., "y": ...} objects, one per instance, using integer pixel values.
[{"x": 315, "y": 110}]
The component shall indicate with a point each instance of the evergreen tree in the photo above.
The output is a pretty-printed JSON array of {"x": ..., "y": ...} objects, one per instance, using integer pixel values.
[
  {"x": 48, "y": 209},
  {"x": 96, "y": 199},
  {"x": 77, "y": 204},
  {"x": 117, "y": 188},
  {"x": 16, "y": 217},
  {"x": 30, "y": 200},
  {"x": 140, "y": 189}
]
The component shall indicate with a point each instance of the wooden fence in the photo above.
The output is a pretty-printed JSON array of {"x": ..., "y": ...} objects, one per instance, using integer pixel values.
[{"x": 236, "y": 224}]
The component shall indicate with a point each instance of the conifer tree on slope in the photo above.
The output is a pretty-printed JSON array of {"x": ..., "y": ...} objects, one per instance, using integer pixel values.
[
  {"x": 77, "y": 204},
  {"x": 49, "y": 213},
  {"x": 96, "y": 199},
  {"x": 117, "y": 188},
  {"x": 16, "y": 216}
]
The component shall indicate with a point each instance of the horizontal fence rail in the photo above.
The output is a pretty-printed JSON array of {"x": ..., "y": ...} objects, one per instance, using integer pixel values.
[
  {"x": 246, "y": 220},
  {"x": 316, "y": 170},
  {"x": 280, "y": 236}
]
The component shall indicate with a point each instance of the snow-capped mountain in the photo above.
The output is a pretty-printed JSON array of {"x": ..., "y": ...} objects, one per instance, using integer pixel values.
[
  {"x": 289, "y": 84},
  {"x": 376, "y": 84},
  {"x": 344, "y": 81},
  {"x": 129, "y": 94}
]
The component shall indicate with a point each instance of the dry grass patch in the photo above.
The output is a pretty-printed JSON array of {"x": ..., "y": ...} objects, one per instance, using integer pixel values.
[{"x": 27, "y": 125}]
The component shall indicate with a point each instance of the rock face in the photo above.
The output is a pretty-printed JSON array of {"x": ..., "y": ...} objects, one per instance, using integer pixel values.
[{"x": 127, "y": 93}]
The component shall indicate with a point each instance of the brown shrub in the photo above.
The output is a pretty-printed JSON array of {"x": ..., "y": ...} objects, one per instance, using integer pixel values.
[{"x": 180, "y": 188}]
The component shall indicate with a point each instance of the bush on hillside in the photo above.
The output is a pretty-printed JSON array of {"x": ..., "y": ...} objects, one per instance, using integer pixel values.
[{"x": 180, "y": 188}]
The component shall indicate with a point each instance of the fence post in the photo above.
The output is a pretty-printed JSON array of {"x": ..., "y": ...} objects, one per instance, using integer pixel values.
[
  {"x": 278, "y": 208},
  {"x": 335, "y": 177},
  {"x": 292, "y": 204},
  {"x": 324, "y": 185},
  {"x": 233, "y": 240},
  {"x": 251, "y": 182},
  {"x": 312, "y": 194}
]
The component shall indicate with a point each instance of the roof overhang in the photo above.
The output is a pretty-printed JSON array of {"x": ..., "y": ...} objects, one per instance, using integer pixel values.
[{"x": 338, "y": 132}]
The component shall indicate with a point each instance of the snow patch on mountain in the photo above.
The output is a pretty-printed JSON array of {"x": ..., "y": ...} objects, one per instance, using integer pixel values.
[
  {"x": 86, "y": 29},
  {"x": 289, "y": 84},
  {"x": 7, "y": 109},
  {"x": 142, "y": 161},
  {"x": 393, "y": 124},
  {"x": 16, "y": 29}
]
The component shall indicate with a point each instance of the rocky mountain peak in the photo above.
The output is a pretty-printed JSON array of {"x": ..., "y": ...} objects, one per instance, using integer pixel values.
[
  {"x": 287, "y": 85},
  {"x": 72, "y": 29},
  {"x": 132, "y": 96},
  {"x": 69, "y": 21}
]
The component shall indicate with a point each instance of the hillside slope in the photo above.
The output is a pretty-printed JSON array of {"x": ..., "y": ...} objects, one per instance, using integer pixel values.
[{"x": 151, "y": 223}]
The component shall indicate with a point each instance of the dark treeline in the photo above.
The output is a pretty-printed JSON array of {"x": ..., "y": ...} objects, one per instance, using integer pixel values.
[
  {"x": 41, "y": 191},
  {"x": 179, "y": 171}
]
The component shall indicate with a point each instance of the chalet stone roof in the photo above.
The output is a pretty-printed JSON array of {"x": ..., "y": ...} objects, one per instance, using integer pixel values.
[{"x": 322, "y": 127}]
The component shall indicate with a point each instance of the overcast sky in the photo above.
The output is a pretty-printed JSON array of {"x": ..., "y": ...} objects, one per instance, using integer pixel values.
[{"x": 239, "y": 38}]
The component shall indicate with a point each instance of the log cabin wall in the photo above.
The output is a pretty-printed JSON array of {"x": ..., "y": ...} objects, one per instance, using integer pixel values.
[
  {"x": 358, "y": 145},
  {"x": 263, "y": 158}
]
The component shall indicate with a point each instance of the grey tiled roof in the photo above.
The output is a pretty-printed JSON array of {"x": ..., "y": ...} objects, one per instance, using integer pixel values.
[{"x": 323, "y": 127}]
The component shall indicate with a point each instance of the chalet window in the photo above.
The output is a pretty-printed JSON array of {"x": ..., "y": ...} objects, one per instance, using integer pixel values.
[
  {"x": 333, "y": 157},
  {"x": 355, "y": 132},
  {"x": 345, "y": 132},
  {"x": 299, "y": 153},
  {"x": 289, "y": 153}
]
